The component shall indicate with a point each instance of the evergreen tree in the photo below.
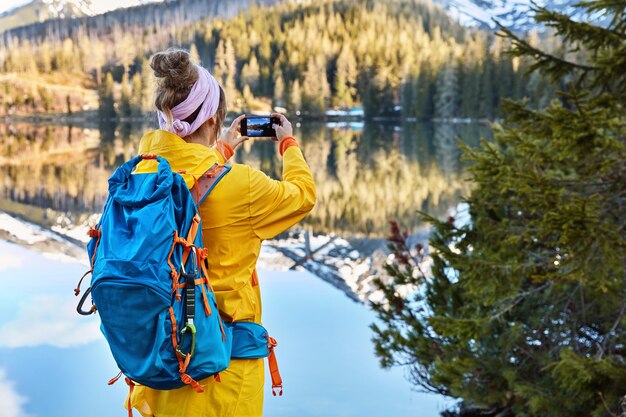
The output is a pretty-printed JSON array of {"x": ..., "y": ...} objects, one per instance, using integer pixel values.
[
  {"x": 524, "y": 313},
  {"x": 248, "y": 97},
  {"x": 97, "y": 58},
  {"x": 503, "y": 75},
  {"x": 487, "y": 94},
  {"x": 125, "y": 99},
  {"x": 408, "y": 96},
  {"x": 447, "y": 86},
  {"x": 250, "y": 74},
  {"x": 345, "y": 79},
  {"x": 193, "y": 52},
  {"x": 315, "y": 90},
  {"x": 125, "y": 50},
  {"x": 106, "y": 108},
  {"x": 125, "y": 109},
  {"x": 106, "y": 111},
  {"x": 470, "y": 75},
  {"x": 225, "y": 68},
  {"x": 279, "y": 90},
  {"x": 425, "y": 88},
  {"x": 147, "y": 86},
  {"x": 45, "y": 98},
  {"x": 45, "y": 60},
  {"x": 378, "y": 95},
  {"x": 136, "y": 95},
  {"x": 295, "y": 96}
]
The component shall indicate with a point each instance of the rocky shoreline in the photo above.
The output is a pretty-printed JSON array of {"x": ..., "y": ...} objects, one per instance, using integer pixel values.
[{"x": 349, "y": 266}]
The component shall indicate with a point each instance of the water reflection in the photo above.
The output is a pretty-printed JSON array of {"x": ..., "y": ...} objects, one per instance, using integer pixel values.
[
  {"x": 47, "y": 320},
  {"x": 45, "y": 312},
  {"x": 328, "y": 366},
  {"x": 365, "y": 174},
  {"x": 12, "y": 401}
]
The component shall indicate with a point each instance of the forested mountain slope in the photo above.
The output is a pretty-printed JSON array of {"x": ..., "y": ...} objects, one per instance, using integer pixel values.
[
  {"x": 396, "y": 58},
  {"x": 161, "y": 14}
]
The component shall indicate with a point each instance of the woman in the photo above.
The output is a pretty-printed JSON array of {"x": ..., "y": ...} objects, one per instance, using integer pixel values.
[{"x": 244, "y": 208}]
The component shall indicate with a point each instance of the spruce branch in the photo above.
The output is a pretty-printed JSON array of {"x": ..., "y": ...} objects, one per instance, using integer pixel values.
[
  {"x": 594, "y": 37},
  {"x": 551, "y": 64}
]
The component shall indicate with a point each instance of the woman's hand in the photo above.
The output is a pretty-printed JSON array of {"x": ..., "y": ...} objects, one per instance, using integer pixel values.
[
  {"x": 284, "y": 129},
  {"x": 230, "y": 136}
]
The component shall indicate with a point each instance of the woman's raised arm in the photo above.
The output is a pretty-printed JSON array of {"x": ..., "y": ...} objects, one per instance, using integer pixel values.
[{"x": 275, "y": 205}]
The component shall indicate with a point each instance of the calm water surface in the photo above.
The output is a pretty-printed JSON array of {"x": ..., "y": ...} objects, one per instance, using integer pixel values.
[
  {"x": 55, "y": 363},
  {"x": 365, "y": 174}
]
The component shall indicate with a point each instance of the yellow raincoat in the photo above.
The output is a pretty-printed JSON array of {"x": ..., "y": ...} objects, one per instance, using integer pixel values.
[{"x": 244, "y": 208}]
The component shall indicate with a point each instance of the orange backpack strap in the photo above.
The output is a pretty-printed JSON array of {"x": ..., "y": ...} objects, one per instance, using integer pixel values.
[
  {"x": 277, "y": 381},
  {"x": 208, "y": 181}
]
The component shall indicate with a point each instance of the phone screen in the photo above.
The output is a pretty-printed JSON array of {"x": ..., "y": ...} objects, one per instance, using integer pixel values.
[{"x": 258, "y": 126}]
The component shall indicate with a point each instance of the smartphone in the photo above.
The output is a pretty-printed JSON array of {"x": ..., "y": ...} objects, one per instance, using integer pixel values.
[{"x": 259, "y": 126}]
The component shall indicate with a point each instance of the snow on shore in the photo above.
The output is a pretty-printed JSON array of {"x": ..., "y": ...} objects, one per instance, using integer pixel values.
[{"x": 349, "y": 266}]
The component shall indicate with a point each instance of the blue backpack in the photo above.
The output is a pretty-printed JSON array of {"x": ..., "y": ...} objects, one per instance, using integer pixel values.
[{"x": 150, "y": 283}]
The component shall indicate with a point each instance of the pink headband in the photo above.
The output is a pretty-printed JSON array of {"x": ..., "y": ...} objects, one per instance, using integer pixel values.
[{"x": 206, "y": 93}]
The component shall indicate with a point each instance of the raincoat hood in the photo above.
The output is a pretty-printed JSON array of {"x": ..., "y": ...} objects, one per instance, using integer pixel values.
[{"x": 193, "y": 158}]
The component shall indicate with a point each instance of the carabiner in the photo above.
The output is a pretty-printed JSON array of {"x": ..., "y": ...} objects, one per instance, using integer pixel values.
[
  {"x": 79, "y": 307},
  {"x": 192, "y": 329}
]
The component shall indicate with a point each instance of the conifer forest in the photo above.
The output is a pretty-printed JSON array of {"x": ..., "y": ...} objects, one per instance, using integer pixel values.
[{"x": 394, "y": 58}]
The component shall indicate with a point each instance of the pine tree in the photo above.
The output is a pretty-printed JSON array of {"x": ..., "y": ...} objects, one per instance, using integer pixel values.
[
  {"x": 487, "y": 95},
  {"x": 250, "y": 74},
  {"x": 470, "y": 74},
  {"x": 408, "y": 96},
  {"x": 295, "y": 96},
  {"x": 248, "y": 97},
  {"x": 125, "y": 50},
  {"x": 106, "y": 109},
  {"x": 125, "y": 99},
  {"x": 425, "y": 92},
  {"x": 447, "y": 86},
  {"x": 45, "y": 98},
  {"x": 45, "y": 60},
  {"x": 315, "y": 90},
  {"x": 97, "y": 58},
  {"x": 147, "y": 86},
  {"x": 345, "y": 79},
  {"x": 225, "y": 68},
  {"x": 524, "y": 312},
  {"x": 193, "y": 52},
  {"x": 136, "y": 95},
  {"x": 279, "y": 90}
]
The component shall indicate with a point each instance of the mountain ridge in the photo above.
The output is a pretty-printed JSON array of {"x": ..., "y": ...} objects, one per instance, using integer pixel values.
[
  {"x": 162, "y": 14},
  {"x": 515, "y": 14},
  {"x": 38, "y": 11}
]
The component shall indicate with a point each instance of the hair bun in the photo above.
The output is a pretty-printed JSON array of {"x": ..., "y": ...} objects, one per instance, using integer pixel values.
[{"x": 174, "y": 69}]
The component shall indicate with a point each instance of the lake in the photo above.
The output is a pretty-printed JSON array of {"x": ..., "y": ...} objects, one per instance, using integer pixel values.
[
  {"x": 56, "y": 363},
  {"x": 366, "y": 174}
]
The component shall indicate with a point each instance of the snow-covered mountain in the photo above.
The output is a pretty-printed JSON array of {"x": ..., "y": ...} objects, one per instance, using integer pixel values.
[
  {"x": 513, "y": 14},
  {"x": 41, "y": 10}
]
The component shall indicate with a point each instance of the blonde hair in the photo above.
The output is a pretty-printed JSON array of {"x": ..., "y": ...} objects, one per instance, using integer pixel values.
[{"x": 175, "y": 74}]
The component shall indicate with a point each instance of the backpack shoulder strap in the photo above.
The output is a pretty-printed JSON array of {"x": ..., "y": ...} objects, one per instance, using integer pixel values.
[{"x": 208, "y": 181}]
